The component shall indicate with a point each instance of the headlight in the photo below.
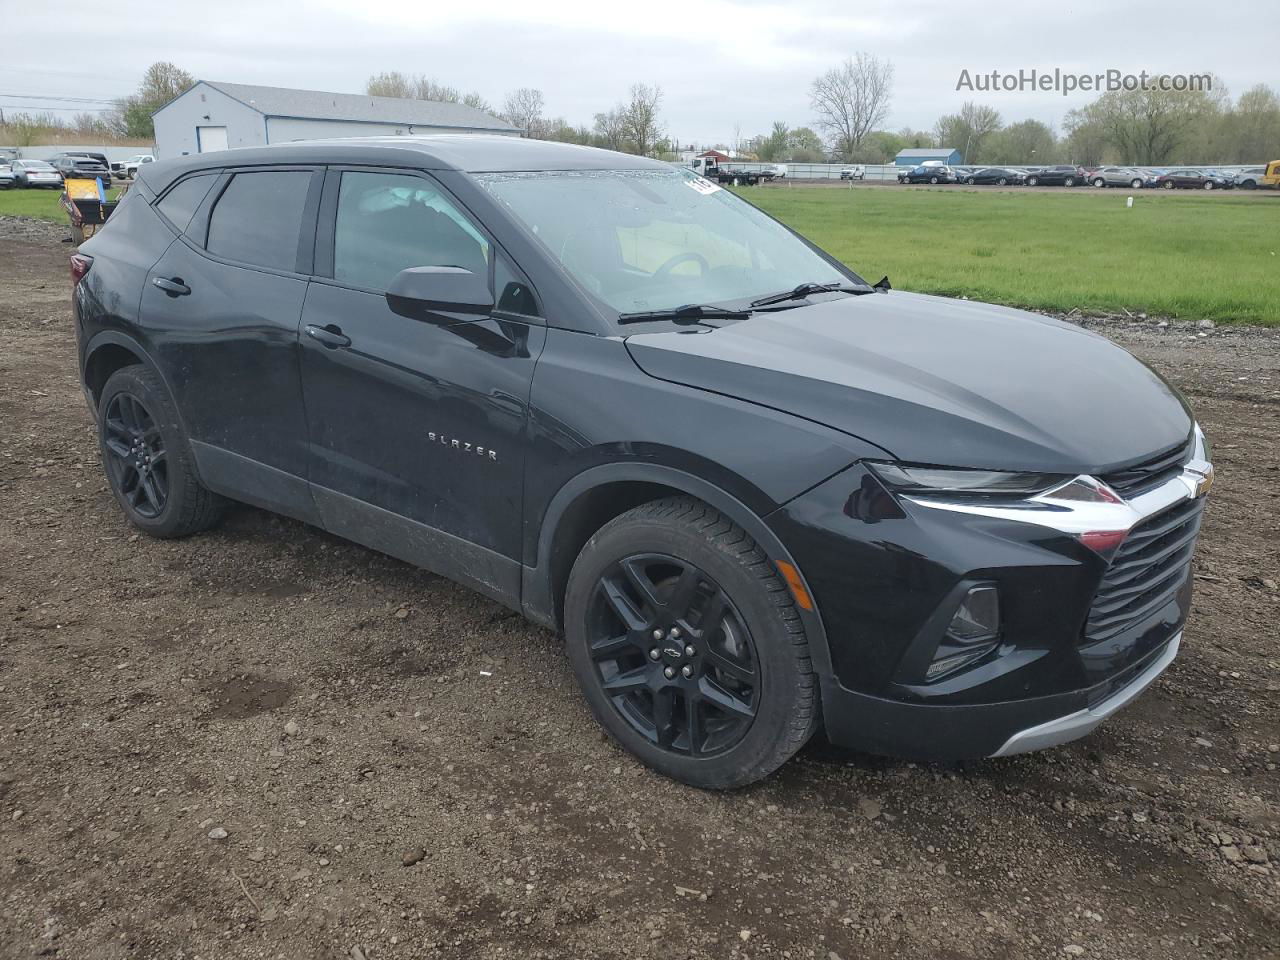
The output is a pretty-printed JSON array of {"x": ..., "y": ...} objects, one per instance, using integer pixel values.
[{"x": 920, "y": 479}]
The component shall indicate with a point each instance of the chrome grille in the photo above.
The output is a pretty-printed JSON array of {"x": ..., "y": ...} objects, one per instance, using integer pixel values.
[
  {"x": 1147, "y": 570},
  {"x": 1141, "y": 477}
]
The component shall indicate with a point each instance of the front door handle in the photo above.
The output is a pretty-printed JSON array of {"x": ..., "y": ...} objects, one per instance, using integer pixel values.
[
  {"x": 174, "y": 287},
  {"x": 330, "y": 335}
]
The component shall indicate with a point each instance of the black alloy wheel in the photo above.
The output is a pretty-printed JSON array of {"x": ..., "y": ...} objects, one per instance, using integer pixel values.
[
  {"x": 688, "y": 645},
  {"x": 673, "y": 654},
  {"x": 146, "y": 456},
  {"x": 137, "y": 461}
]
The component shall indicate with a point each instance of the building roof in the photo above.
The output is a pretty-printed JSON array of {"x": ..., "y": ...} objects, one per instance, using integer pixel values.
[
  {"x": 472, "y": 153},
  {"x": 927, "y": 152},
  {"x": 319, "y": 105}
]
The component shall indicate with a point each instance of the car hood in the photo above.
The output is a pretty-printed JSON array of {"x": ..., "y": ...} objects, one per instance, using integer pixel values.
[{"x": 935, "y": 380}]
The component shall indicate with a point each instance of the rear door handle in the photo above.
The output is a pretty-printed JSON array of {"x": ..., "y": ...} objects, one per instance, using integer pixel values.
[
  {"x": 330, "y": 335},
  {"x": 174, "y": 287}
]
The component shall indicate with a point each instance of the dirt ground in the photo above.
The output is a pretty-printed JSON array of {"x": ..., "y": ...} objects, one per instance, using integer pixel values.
[{"x": 265, "y": 742}]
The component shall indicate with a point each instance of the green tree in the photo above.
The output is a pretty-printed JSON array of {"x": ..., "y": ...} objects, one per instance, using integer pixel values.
[
  {"x": 1148, "y": 126},
  {"x": 1024, "y": 142},
  {"x": 161, "y": 82},
  {"x": 968, "y": 130}
]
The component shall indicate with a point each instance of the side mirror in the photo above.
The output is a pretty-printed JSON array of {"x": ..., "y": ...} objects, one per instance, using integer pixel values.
[{"x": 421, "y": 291}]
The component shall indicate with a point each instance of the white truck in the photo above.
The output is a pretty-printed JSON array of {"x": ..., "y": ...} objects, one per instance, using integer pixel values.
[
  {"x": 128, "y": 169},
  {"x": 737, "y": 173}
]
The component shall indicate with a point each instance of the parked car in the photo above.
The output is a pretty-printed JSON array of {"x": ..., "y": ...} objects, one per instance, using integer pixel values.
[
  {"x": 856, "y": 172},
  {"x": 7, "y": 177},
  {"x": 1222, "y": 179},
  {"x": 997, "y": 175},
  {"x": 36, "y": 173},
  {"x": 128, "y": 169},
  {"x": 1119, "y": 177},
  {"x": 1059, "y": 175},
  {"x": 1185, "y": 178},
  {"x": 75, "y": 166},
  {"x": 929, "y": 173},
  {"x": 773, "y": 524},
  {"x": 1248, "y": 178}
]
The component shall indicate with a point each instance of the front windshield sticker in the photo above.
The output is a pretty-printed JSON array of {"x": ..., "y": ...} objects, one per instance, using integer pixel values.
[{"x": 702, "y": 185}]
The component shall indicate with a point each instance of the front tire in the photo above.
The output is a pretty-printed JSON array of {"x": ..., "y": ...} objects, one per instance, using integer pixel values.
[
  {"x": 688, "y": 646},
  {"x": 1069, "y": 182},
  {"x": 147, "y": 457},
  {"x": 1099, "y": 183},
  {"x": 1032, "y": 181},
  {"x": 1136, "y": 184}
]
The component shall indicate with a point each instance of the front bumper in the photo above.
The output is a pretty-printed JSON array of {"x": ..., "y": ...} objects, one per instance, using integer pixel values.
[
  {"x": 887, "y": 573},
  {"x": 928, "y": 732}
]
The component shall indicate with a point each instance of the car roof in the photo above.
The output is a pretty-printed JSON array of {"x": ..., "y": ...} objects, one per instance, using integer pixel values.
[{"x": 471, "y": 153}]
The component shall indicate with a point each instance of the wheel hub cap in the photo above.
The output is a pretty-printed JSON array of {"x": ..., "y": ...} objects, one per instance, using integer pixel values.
[{"x": 673, "y": 654}]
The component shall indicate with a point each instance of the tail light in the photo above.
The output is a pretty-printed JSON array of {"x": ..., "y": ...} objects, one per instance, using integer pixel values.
[{"x": 80, "y": 265}]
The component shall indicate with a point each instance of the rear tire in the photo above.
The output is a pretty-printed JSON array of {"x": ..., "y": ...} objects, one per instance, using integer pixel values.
[
  {"x": 1069, "y": 182},
  {"x": 717, "y": 703},
  {"x": 1168, "y": 184},
  {"x": 1032, "y": 181},
  {"x": 1099, "y": 183},
  {"x": 1136, "y": 184},
  {"x": 147, "y": 457}
]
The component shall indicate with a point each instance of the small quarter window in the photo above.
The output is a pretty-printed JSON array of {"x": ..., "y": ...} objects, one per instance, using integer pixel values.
[{"x": 180, "y": 204}]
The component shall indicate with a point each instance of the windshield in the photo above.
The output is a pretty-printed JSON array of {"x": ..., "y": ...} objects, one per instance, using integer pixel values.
[{"x": 644, "y": 240}]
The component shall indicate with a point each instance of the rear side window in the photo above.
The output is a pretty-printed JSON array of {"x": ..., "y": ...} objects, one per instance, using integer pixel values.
[
  {"x": 180, "y": 204},
  {"x": 258, "y": 218}
]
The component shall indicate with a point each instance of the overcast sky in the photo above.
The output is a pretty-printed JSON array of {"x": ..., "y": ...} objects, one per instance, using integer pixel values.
[{"x": 722, "y": 64}]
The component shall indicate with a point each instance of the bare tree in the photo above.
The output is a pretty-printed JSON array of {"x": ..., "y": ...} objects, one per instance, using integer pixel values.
[
  {"x": 523, "y": 109},
  {"x": 643, "y": 128},
  {"x": 852, "y": 99},
  {"x": 390, "y": 84},
  {"x": 475, "y": 100},
  {"x": 421, "y": 87},
  {"x": 611, "y": 128}
]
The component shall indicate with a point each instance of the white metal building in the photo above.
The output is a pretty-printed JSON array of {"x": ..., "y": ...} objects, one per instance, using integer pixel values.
[{"x": 214, "y": 116}]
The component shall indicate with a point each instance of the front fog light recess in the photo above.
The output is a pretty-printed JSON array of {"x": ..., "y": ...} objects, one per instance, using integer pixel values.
[{"x": 973, "y": 632}]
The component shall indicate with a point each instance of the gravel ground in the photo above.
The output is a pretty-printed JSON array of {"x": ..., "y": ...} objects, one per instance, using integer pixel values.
[{"x": 265, "y": 742}]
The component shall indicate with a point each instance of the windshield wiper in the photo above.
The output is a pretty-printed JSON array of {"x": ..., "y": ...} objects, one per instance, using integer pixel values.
[
  {"x": 805, "y": 290},
  {"x": 689, "y": 313}
]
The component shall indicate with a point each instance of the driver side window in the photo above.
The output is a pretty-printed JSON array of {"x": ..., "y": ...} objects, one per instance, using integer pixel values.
[{"x": 389, "y": 222}]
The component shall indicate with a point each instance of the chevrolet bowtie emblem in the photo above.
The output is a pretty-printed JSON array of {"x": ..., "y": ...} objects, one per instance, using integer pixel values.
[{"x": 1204, "y": 483}]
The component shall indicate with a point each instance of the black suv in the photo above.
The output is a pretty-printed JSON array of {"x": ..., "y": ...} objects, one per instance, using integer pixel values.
[
  {"x": 1062, "y": 175},
  {"x": 82, "y": 166},
  {"x": 755, "y": 493}
]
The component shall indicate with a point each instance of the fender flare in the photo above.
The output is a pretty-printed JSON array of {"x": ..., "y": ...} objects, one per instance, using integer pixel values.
[
  {"x": 537, "y": 597},
  {"x": 116, "y": 338}
]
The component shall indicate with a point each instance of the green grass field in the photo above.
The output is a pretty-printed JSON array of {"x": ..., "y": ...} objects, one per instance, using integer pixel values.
[
  {"x": 1183, "y": 254},
  {"x": 40, "y": 204},
  {"x": 1180, "y": 255}
]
